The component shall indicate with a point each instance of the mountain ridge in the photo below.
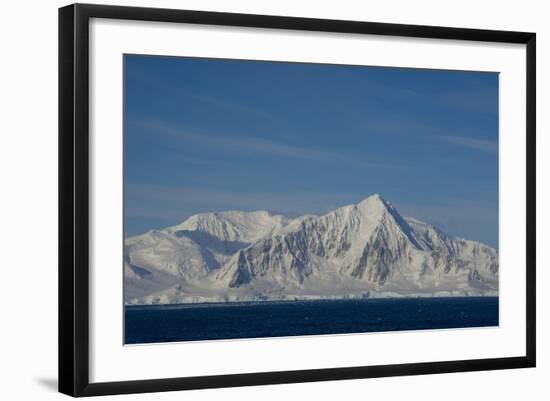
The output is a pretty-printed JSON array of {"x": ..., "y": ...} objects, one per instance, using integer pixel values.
[{"x": 361, "y": 250}]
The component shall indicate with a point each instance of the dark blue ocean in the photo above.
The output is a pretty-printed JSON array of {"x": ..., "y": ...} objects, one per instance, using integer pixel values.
[{"x": 191, "y": 322}]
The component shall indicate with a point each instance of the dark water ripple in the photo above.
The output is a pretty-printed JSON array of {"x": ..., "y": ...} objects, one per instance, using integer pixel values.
[{"x": 166, "y": 323}]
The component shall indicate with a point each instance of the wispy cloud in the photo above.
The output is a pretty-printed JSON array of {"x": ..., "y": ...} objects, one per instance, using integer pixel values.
[
  {"x": 479, "y": 100},
  {"x": 199, "y": 161},
  {"x": 211, "y": 102},
  {"x": 232, "y": 106},
  {"x": 254, "y": 145},
  {"x": 481, "y": 145},
  {"x": 472, "y": 101}
]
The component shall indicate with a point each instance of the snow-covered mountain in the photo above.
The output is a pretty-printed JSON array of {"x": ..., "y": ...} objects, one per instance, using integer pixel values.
[{"x": 362, "y": 250}]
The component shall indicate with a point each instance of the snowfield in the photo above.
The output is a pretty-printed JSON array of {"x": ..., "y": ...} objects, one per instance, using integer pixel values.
[{"x": 365, "y": 250}]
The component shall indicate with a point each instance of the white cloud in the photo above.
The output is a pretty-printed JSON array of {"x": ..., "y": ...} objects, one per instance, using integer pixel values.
[
  {"x": 476, "y": 144},
  {"x": 253, "y": 145}
]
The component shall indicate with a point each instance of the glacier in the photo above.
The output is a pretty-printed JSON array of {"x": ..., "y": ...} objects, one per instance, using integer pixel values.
[{"x": 363, "y": 250}]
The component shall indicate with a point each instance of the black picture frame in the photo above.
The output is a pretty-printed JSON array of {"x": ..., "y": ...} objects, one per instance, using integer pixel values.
[{"x": 74, "y": 199}]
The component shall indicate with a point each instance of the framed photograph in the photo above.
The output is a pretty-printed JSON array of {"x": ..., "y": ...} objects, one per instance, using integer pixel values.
[{"x": 250, "y": 199}]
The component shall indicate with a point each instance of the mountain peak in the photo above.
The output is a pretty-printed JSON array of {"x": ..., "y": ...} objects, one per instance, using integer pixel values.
[
  {"x": 375, "y": 202},
  {"x": 376, "y": 195}
]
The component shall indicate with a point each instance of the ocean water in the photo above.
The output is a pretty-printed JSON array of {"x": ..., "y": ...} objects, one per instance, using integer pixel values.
[{"x": 192, "y": 322}]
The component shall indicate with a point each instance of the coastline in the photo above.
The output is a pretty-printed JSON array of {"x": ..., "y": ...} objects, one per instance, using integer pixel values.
[{"x": 302, "y": 299}]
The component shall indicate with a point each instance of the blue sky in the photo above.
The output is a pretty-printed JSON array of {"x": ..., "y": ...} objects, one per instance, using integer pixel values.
[{"x": 211, "y": 135}]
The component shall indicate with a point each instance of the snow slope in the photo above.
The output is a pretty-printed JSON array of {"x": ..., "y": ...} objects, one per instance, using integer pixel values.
[{"x": 362, "y": 250}]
